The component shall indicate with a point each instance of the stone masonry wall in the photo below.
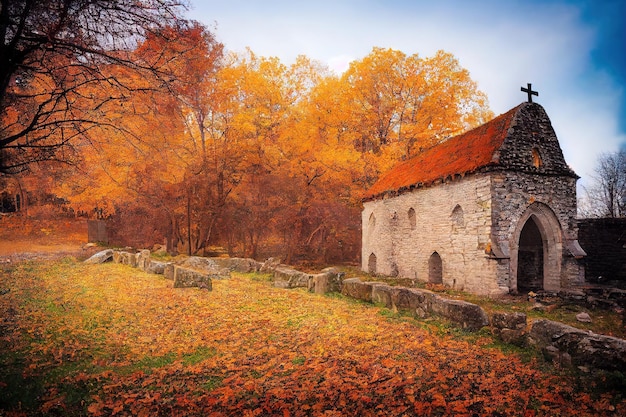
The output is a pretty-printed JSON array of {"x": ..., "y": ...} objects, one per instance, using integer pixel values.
[
  {"x": 532, "y": 130},
  {"x": 534, "y": 179},
  {"x": 452, "y": 219},
  {"x": 552, "y": 203},
  {"x": 527, "y": 179}
]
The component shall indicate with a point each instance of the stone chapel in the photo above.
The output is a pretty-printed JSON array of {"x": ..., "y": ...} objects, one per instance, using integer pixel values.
[{"x": 491, "y": 211}]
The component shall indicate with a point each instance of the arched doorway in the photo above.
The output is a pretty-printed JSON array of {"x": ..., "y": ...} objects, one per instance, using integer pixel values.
[
  {"x": 530, "y": 258},
  {"x": 536, "y": 251},
  {"x": 435, "y": 269}
]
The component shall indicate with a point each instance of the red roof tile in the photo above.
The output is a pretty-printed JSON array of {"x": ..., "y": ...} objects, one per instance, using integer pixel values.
[{"x": 459, "y": 155}]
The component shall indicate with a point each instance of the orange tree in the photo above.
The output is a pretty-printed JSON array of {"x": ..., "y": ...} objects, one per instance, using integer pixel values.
[
  {"x": 395, "y": 105},
  {"x": 148, "y": 169},
  {"x": 52, "y": 54},
  {"x": 264, "y": 158}
]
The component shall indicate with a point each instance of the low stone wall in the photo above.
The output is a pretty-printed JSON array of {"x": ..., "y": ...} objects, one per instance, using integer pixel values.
[
  {"x": 101, "y": 257},
  {"x": 510, "y": 327},
  {"x": 564, "y": 345},
  {"x": 185, "y": 278},
  {"x": 328, "y": 280},
  {"x": 193, "y": 271},
  {"x": 287, "y": 277},
  {"x": 419, "y": 302}
]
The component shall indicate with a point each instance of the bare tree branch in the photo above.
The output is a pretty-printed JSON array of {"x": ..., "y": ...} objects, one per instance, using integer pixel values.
[
  {"x": 61, "y": 62},
  {"x": 606, "y": 197}
]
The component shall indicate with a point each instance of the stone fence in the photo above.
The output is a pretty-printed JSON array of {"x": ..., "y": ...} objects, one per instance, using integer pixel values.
[
  {"x": 193, "y": 271},
  {"x": 564, "y": 345}
]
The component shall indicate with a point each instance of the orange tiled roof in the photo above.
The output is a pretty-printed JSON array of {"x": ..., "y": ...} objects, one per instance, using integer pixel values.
[{"x": 459, "y": 155}]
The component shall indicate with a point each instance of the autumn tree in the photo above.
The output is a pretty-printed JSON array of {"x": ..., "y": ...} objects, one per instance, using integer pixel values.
[
  {"x": 348, "y": 130},
  {"x": 56, "y": 59},
  {"x": 395, "y": 105},
  {"x": 150, "y": 168},
  {"x": 194, "y": 60},
  {"x": 260, "y": 157},
  {"x": 248, "y": 141},
  {"x": 321, "y": 165}
]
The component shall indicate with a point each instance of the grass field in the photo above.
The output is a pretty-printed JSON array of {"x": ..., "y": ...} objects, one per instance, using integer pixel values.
[{"x": 107, "y": 339}]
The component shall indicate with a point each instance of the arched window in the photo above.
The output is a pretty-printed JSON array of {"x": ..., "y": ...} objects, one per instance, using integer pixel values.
[
  {"x": 371, "y": 264},
  {"x": 435, "y": 269},
  {"x": 412, "y": 219},
  {"x": 372, "y": 220},
  {"x": 457, "y": 216},
  {"x": 536, "y": 158}
]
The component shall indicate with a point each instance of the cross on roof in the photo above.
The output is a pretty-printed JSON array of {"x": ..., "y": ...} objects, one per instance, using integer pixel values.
[{"x": 530, "y": 92}]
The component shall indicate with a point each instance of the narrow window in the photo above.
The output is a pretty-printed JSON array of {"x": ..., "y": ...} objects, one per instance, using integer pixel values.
[
  {"x": 458, "y": 218},
  {"x": 536, "y": 158},
  {"x": 372, "y": 220},
  {"x": 412, "y": 220}
]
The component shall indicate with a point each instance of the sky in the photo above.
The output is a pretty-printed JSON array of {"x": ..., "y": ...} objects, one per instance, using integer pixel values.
[{"x": 572, "y": 51}]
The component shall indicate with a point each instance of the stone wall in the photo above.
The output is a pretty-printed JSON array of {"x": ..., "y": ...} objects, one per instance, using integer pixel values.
[
  {"x": 604, "y": 240},
  {"x": 533, "y": 180},
  {"x": 531, "y": 135},
  {"x": 193, "y": 271},
  {"x": 568, "y": 346},
  {"x": 452, "y": 219},
  {"x": 551, "y": 203},
  {"x": 564, "y": 345}
]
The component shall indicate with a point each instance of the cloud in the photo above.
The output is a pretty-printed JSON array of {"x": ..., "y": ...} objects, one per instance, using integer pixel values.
[{"x": 504, "y": 45}]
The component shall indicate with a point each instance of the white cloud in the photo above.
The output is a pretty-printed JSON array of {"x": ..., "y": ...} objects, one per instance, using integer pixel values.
[{"x": 504, "y": 45}]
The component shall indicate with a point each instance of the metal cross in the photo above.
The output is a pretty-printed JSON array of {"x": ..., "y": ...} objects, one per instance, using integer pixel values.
[{"x": 530, "y": 92}]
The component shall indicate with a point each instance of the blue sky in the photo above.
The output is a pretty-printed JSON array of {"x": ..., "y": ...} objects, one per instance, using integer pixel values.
[{"x": 573, "y": 52}]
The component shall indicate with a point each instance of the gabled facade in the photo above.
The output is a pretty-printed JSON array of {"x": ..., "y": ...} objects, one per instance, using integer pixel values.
[{"x": 490, "y": 211}]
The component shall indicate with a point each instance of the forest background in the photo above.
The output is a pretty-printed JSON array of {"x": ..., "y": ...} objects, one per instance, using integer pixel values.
[{"x": 231, "y": 150}]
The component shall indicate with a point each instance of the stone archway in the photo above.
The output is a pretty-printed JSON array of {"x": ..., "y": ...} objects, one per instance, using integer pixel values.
[
  {"x": 530, "y": 258},
  {"x": 537, "y": 251}
]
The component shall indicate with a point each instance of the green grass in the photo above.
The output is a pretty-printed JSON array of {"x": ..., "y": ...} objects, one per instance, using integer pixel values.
[
  {"x": 298, "y": 360},
  {"x": 259, "y": 277},
  {"x": 200, "y": 354}
]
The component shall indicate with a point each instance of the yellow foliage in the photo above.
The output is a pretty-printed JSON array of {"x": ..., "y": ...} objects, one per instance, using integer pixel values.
[{"x": 109, "y": 339}]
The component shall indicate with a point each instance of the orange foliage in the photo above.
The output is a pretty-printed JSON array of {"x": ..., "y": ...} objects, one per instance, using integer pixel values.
[
  {"x": 261, "y": 158},
  {"x": 110, "y": 340}
]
